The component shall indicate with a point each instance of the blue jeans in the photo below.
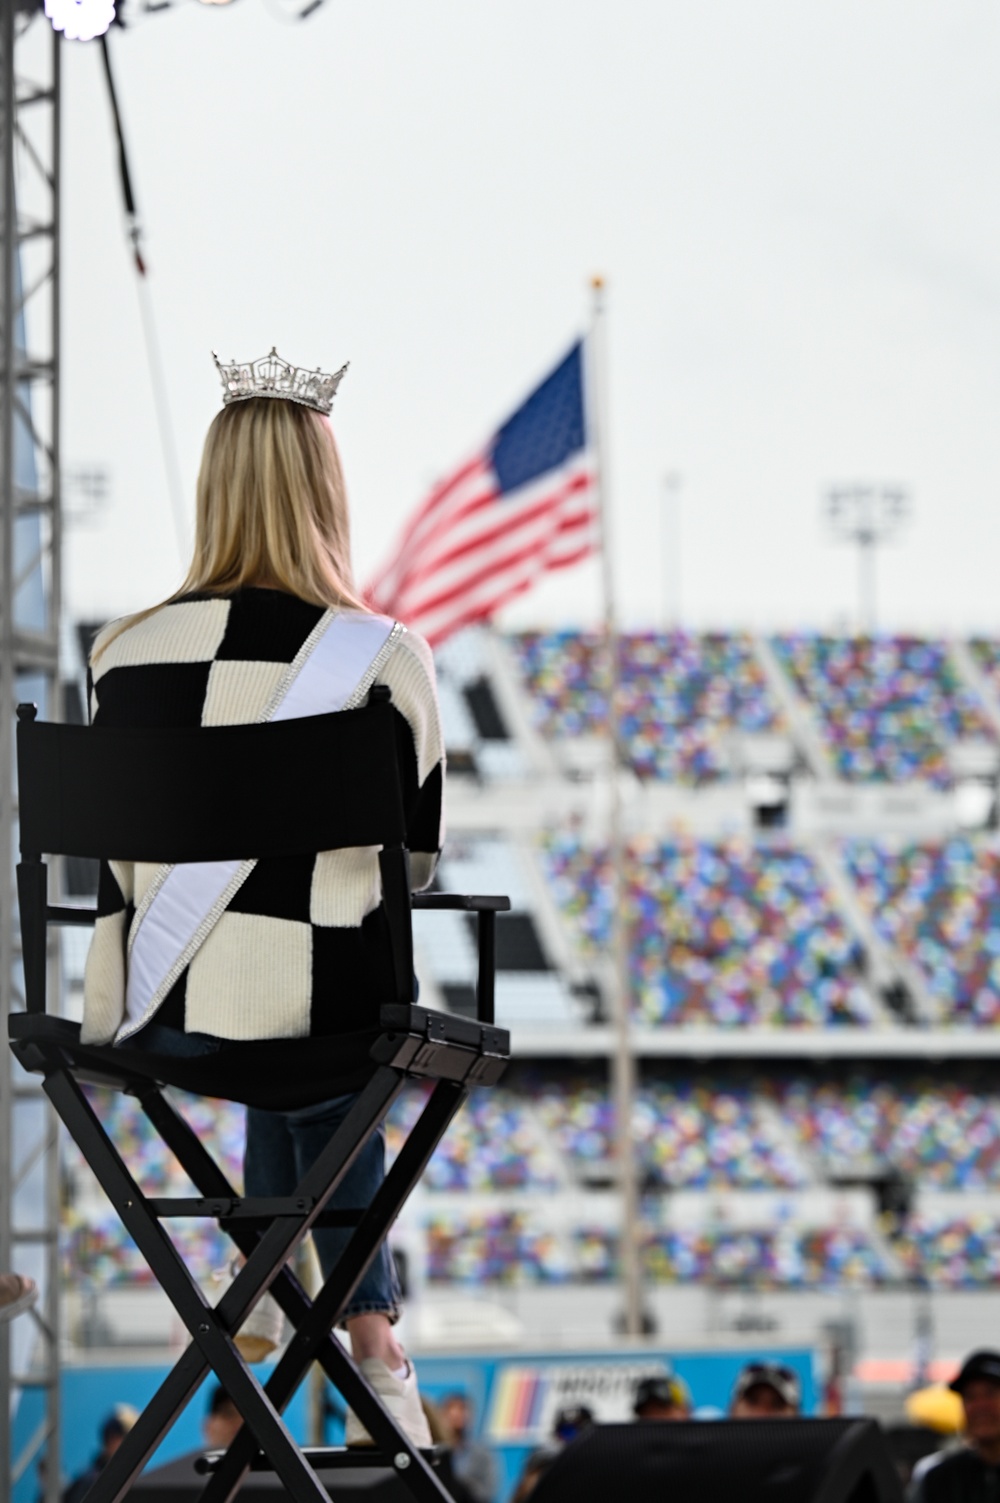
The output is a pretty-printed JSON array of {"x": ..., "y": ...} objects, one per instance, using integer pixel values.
[{"x": 282, "y": 1146}]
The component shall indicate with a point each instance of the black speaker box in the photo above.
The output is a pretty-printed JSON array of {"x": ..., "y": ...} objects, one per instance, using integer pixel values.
[{"x": 725, "y": 1461}]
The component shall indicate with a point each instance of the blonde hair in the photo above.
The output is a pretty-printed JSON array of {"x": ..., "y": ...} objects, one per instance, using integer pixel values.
[{"x": 271, "y": 509}]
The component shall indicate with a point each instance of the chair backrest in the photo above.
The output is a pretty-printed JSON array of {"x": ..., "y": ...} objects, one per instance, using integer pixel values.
[
  {"x": 209, "y": 793},
  {"x": 169, "y": 795}
]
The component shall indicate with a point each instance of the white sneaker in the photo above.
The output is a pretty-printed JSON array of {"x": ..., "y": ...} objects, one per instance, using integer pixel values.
[
  {"x": 261, "y": 1332},
  {"x": 402, "y": 1399}
]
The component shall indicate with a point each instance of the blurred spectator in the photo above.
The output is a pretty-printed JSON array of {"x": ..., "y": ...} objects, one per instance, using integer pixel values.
[
  {"x": 944, "y": 1133},
  {"x": 571, "y": 1422},
  {"x": 534, "y": 1470},
  {"x": 472, "y": 1463},
  {"x": 971, "y": 1475},
  {"x": 222, "y": 1420},
  {"x": 887, "y": 706},
  {"x": 916, "y": 1447},
  {"x": 662, "y": 1397},
  {"x": 492, "y": 1145},
  {"x": 553, "y": 1128},
  {"x": 436, "y": 1423},
  {"x": 111, "y": 1434},
  {"x": 939, "y": 903},
  {"x": 766, "y": 1390},
  {"x": 94, "y": 1245},
  {"x": 522, "y": 1247},
  {"x": 731, "y": 932},
  {"x": 441, "y": 1435},
  {"x": 953, "y": 1252},
  {"x": 696, "y": 1134},
  {"x": 683, "y": 696}
]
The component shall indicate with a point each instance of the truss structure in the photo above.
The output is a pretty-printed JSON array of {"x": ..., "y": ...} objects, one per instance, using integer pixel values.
[{"x": 30, "y": 557}]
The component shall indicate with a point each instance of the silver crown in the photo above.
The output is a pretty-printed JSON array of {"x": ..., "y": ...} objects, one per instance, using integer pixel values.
[{"x": 273, "y": 377}]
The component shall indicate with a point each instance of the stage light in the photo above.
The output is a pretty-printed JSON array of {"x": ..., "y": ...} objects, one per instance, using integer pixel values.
[{"x": 80, "y": 20}]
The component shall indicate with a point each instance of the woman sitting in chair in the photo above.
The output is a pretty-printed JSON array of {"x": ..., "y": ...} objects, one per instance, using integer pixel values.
[{"x": 268, "y": 625}]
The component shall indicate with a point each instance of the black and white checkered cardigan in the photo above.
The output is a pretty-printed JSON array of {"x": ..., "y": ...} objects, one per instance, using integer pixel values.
[{"x": 301, "y": 949}]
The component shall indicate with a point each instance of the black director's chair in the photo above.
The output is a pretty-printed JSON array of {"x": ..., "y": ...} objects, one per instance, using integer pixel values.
[{"x": 205, "y": 794}]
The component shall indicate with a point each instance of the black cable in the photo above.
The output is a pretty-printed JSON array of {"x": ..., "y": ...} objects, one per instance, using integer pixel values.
[
  {"x": 126, "y": 176},
  {"x": 284, "y": 13},
  {"x": 161, "y": 397}
]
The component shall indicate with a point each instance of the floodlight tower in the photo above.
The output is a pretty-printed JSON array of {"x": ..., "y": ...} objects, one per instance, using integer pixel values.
[
  {"x": 867, "y": 515},
  {"x": 30, "y": 570}
]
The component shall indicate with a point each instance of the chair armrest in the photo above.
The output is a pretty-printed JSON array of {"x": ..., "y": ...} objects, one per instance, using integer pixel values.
[
  {"x": 486, "y": 910},
  {"x": 469, "y": 903},
  {"x": 70, "y": 915}
]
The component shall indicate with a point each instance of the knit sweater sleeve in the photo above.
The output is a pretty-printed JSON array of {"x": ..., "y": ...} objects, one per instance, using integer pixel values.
[{"x": 409, "y": 674}]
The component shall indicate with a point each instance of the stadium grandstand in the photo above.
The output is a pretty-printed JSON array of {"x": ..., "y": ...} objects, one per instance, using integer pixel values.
[{"x": 812, "y": 876}]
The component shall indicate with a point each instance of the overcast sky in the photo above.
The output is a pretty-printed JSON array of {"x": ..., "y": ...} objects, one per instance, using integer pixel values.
[{"x": 797, "y": 207}]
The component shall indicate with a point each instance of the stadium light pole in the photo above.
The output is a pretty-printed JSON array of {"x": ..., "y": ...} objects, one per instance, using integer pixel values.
[
  {"x": 672, "y": 482},
  {"x": 867, "y": 515}
]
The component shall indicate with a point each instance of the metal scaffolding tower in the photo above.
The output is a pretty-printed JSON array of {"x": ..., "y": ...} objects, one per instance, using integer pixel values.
[{"x": 30, "y": 566}]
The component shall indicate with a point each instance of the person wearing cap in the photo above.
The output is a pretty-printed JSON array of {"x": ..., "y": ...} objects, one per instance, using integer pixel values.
[
  {"x": 661, "y": 1397},
  {"x": 766, "y": 1390},
  {"x": 222, "y": 1420},
  {"x": 570, "y": 1422},
  {"x": 971, "y": 1475},
  {"x": 113, "y": 1431}
]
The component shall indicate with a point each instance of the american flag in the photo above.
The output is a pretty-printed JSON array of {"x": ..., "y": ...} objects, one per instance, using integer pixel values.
[{"x": 526, "y": 503}]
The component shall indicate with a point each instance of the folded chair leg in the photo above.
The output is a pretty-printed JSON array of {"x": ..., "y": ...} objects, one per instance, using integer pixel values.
[
  {"x": 313, "y": 1339},
  {"x": 267, "y": 1252},
  {"x": 204, "y": 1323},
  {"x": 271, "y": 1249},
  {"x": 210, "y": 1180},
  {"x": 168, "y": 1402},
  {"x": 282, "y": 1236}
]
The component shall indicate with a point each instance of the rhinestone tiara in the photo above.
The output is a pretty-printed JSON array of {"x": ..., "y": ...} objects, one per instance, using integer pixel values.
[{"x": 273, "y": 377}]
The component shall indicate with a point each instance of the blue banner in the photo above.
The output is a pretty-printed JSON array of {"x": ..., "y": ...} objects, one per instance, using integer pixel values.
[{"x": 514, "y": 1398}]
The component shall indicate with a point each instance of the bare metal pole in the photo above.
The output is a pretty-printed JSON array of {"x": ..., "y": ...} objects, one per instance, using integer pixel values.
[
  {"x": 55, "y": 542},
  {"x": 53, "y": 1189},
  {"x": 30, "y": 609},
  {"x": 867, "y": 539},
  {"x": 7, "y": 694},
  {"x": 623, "y": 1062}
]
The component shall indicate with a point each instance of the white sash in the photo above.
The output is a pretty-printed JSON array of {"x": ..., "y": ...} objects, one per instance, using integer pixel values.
[{"x": 334, "y": 669}]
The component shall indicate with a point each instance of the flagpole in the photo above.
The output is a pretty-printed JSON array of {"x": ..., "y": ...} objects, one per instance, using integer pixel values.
[{"x": 623, "y": 1060}]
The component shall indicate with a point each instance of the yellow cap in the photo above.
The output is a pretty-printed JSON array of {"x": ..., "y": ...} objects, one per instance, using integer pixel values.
[{"x": 937, "y": 1408}]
